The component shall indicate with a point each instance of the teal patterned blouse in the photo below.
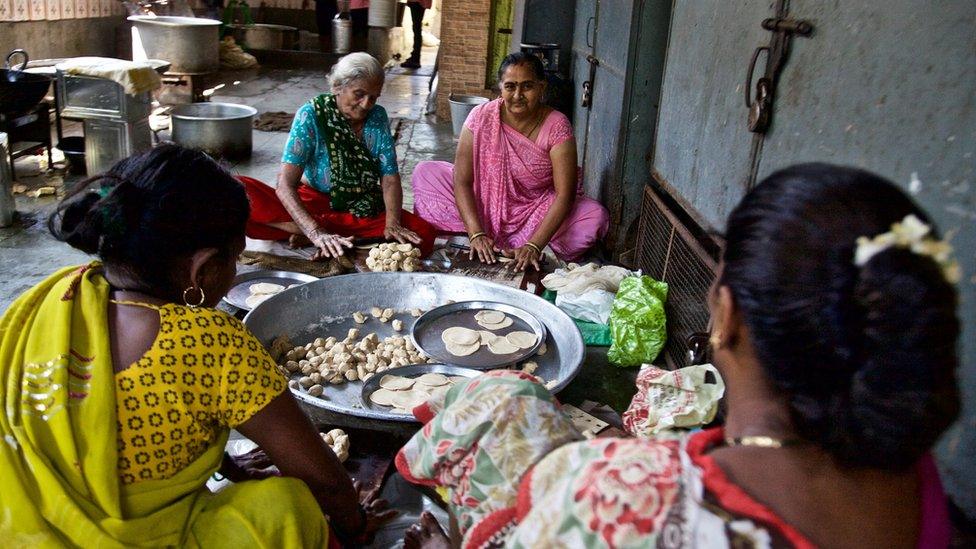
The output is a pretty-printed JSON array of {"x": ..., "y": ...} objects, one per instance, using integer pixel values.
[{"x": 306, "y": 148}]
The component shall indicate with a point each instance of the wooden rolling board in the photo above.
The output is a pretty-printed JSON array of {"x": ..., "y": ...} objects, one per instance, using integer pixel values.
[{"x": 496, "y": 272}]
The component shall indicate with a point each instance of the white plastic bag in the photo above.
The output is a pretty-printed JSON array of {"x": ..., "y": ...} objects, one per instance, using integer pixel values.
[{"x": 592, "y": 306}]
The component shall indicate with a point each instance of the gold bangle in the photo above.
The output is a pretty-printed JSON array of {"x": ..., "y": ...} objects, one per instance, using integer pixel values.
[
  {"x": 477, "y": 235},
  {"x": 533, "y": 246}
]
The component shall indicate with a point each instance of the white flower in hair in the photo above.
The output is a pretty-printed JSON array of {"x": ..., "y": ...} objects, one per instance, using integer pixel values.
[{"x": 913, "y": 234}]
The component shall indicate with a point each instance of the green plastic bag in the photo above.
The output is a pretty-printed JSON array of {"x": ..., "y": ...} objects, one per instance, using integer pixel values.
[{"x": 637, "y": 323}]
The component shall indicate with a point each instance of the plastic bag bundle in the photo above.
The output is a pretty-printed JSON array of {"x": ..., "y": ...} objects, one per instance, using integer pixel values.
[
  {"x": 637, "y": 322},
  {"x": 586, "y": 292},
  {"x": 673, "y": 399}
]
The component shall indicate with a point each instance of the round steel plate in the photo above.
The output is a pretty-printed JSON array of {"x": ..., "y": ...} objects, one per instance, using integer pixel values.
[
  {"x": 408, "y": 371},
  {"x": 426, "y": 333},
  {"x": 240, "y": 290}
]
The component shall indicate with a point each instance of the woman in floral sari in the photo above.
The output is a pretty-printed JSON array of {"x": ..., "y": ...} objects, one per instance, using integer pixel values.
[
  {"x": 120, "y": 383},
  {"x": 835, "y": 331},
  {"x": 514, "y": 185}
]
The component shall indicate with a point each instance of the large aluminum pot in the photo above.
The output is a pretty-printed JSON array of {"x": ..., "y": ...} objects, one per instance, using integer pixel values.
[
  {"x": 219, "y": 129},
  {"x": 190, "y": 44},
  {"x": 265, "y": 37}
]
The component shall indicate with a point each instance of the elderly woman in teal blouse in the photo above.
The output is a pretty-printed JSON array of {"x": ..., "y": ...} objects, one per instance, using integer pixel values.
[{"x": 339, "y": 178}]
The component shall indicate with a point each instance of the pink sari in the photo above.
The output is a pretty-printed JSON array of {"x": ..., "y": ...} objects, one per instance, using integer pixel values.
[
  {"x": 512, "y": 176},
  {"x": 513, "y": 185}
]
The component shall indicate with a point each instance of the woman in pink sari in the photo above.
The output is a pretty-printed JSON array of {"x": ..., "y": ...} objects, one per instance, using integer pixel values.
[{"x": 514, "y": 186}]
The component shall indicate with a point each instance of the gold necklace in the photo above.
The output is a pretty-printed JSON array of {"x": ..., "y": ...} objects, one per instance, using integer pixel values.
[
  {"x": 538, "y": 120},
  {"x": 761, "y": 441}
]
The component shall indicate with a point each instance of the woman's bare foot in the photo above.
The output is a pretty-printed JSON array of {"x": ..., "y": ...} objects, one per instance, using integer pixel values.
[
  {"x": 299, "y": 241},
  {"x": 426, "y": 534}
]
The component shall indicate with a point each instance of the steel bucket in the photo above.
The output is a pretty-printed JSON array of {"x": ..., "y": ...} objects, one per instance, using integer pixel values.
[
  {"x": 219, "y": 129},
  {"x": 341, "y": 34},
  {"x": 461, "y": 107}
]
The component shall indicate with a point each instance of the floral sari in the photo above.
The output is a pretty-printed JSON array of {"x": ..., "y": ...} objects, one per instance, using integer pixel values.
[{"x": 519, "y": 475}]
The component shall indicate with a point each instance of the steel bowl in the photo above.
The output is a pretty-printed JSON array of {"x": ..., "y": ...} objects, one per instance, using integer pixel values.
[
  {"x": 260, "y": 36},
  {"x": 190, "y": 44},
  {"x": 219, "y": 129}
]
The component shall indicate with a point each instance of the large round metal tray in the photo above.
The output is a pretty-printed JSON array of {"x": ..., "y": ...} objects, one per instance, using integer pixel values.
[
  {"x": 325, "y": 306},
  {"x": 414, "y": 370},
  {"x": 240, "y": 288},
  {"x": 426, "y": 333}
]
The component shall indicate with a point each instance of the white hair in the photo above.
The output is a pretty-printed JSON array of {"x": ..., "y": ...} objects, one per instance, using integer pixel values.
[{"x": 356, "y": 66}]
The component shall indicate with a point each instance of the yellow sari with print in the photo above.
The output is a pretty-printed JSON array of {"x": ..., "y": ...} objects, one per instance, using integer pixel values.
[{"x": 59, "y": 483}]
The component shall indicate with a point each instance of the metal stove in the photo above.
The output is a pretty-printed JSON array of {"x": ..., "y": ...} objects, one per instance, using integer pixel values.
[{"x": 116, "y": 124}]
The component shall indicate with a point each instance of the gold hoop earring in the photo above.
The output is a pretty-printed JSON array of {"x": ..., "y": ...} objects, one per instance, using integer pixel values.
[
  {"x": 716, "y": 340},
  {"x": 186, "y": 299}
]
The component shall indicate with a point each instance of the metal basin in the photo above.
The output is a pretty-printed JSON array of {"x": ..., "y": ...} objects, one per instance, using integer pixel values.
[
  {"x": 21, "y": 91},
  {"x": 324, "y": 307},
  {"x": 219, "y": 129},
  {"x": 190, "y": 44},
  {"x": 264, "y": 37}
]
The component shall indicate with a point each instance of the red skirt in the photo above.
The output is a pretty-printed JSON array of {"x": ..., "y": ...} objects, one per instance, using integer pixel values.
[{"x": 266, "y": 208}]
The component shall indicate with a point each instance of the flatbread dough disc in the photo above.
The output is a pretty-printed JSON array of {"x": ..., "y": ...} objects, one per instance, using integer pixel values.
[
  {"x": 486, "y": 336},
  {"x": 522, "y": 340},
  {"x": 498, "y": 326},
  {"x": 396, "y": 383},
  {"x": 383, "y": 397},
  {"x": 265, "y": 288},
  {"x": 462, "y": 350},
  {"x": 253, "y": 301},
  {"x": 431, "y": 380},
  {"x": 436, "y": 392},
  {"x": 490, "y": 317},
  {"x": 459, "y": 335},
  {"x": 501, "y": 346},
  {"x": 408, "y": 400}
]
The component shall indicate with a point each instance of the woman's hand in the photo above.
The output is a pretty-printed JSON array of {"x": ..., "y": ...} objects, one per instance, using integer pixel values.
[
  {"x": 329, "y": 245},
  {"x": 484, "y": 247},
  {"x": 395, "y": 231},
  {"x": 523, "y": 257},
  {"x": 377, "y": 513},
  {"x": 254, "y": 465}
]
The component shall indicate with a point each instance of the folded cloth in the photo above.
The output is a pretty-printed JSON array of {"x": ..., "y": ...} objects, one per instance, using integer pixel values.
[
  {"x": 321, "y": 269},
  {"x": 135, "y": 77},
  {"x": 276, "y": 121}
]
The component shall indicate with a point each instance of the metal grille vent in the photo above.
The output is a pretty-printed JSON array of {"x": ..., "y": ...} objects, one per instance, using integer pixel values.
[{"x": 667, "y": 250}]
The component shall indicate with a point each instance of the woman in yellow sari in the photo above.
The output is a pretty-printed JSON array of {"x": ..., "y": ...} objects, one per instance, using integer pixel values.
[{"x": 120, "y": 383}]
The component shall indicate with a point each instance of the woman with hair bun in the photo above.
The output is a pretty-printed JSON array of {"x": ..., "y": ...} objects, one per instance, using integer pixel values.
[
  {"x": 835, "y": 331},
  {"x": 119, "y": 383}
]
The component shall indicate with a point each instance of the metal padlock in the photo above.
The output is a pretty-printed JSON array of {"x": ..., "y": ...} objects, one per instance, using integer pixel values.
[
  {"x": 761, "y": 107},
  {"x": 587, "y": 95}
]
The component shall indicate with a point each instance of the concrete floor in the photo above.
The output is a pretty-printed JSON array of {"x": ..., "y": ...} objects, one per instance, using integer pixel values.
[{"x": 28, "y": 253}]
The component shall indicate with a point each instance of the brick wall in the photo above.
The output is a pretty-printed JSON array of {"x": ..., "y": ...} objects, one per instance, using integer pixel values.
[{"x": 463, "y": 51}]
